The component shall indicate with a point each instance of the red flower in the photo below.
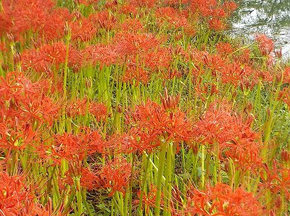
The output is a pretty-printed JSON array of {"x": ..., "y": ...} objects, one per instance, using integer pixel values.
[
  {"x": 75, "y": 148},
  {"x": 224, "y": 48},
  {"x": 153, "y": 122},
  {"x": 49, "y": 57},
  {"x": 266, "y": 45},
  {"x": 103, "y": 19},
  {"x": 82, "y": 30},
  {"x": 232, "y": 134},
  {"x": 276, "y": 179},
  {"x": 222, "y": 200},
  {"x": 25, "y": 109},
  {"x": 216, "y": 24},
  {"x": 115, "y": 175},
  {"x": 149, "y": 199}
]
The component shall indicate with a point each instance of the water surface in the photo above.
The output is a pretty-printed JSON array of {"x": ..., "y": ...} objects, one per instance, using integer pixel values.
[{"x": 270, "y": 17}]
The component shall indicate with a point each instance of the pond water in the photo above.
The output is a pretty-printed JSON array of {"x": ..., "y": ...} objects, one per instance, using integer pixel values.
[{"x": 270, "y": 17}]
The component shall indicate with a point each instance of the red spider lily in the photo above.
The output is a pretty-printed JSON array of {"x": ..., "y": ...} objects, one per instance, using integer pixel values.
[
  {"x": 124, "y": 143},
  {"x": 34, "y": 15},
  {"x": 159, "y": 59},
  {"x": 212, "y": 9},
  {"x": 103, "y": 19},
  {"x": 75, "y": 148},
  {"x": 216, "y": 24},
  {"x": 214, "y": 62},
  {"x": 5, "y": 23},
  {"x": 77, "y": 107},
  {"x": 27, "y": 14},
  {"x": 278, "y": 53},
  {"x": 222, "y": 200},
  {"x": 43, "y": 59},
  {"x": 230, "y": 6},
  {"x": 132, "y": 44},
  {"x": 128, "y": 9},
  {"x": 49, "y": 57},
  {"x": 204, "y": 8},
  {"x": 171, "y": 16},
  {"x": 224, "y": 48},
  {"x": 41, "y": 109},
  {"x": 190, "y": 30},
  {"x": 284, "y": 96},
  {"x": 13, "y": 194},
  {"x": 115, "y": 175},
  {"x": 285, "y": 156},
  {"x": 286, "y": 75},
  {"x": 98, "y": 110},
  {"x": 84, "y": 106},
  {"x": 219, "y": 13},
  {"x": 88, "y": 179},
  {"x": 234, "y": 136},
  {"x": 82, "y": 30},
  {"x": 171, "y": 74},
  {"x": 266, "y": 45},
  {"x": 174, "y": 3},
  {"x": 141, "y": 68},
  {"x": 15, "y": 197},
  {"x": 267, "y": 76},
  {"x": 132, "y": 25},
  {"x": 149, "y": 199},
  {"x": 153, "y": 122},
  {"x": 140, "y": 75},
  {"x": 25, "y": 109},
  {"x": 244, "y": 56},
  {"x": 203, "y": 90},
  {"x": 55, "y": 23},
  {"x": 233, "y": 73},
  {"x": 100, "y": 54},
  {"x": 12, "y": 137},
  {"x": 143, "y": 3},
  {"x": 276, "y": 179}
]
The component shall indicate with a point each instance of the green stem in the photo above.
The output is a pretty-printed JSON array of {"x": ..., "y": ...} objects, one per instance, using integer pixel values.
[{"x": 159, "y": 178}]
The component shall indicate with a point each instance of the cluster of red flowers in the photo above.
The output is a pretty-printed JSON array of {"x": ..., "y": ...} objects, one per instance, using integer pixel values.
[
  {"x": 114, "y": 176},
  {"x": 80, "y": 109},
  {"x": 233, "y": 136},
  {"x": 154, "y": 123},
  {"x": 276, "y": 179},
  {"x": 266, "y": 45},
  {"x": 25, "y": 108},
  {"x": 17, "y": 199},
  {"x": 222, "y": 200}
]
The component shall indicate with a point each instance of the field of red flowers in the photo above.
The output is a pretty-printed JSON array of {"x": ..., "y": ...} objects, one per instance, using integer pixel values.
[{"x": 140, "y": 107}]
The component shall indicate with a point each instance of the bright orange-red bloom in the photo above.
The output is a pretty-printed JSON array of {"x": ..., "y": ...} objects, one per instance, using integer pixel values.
[
  {"x": 232, "y": 134},
  {"x": 88, "y": 179},
  {"x": 276, "y": 179},
  {"x": 224, "y": 48},
  {"x": 75, "y": 148},
  {"x": 49, "y": 57},
  {"x": 15, "y": 197},
  {"x": 222, "y": 200},
  {"x": 266, "y": 45},
  {"x": 149, "y": 199},
  {"x": 115, "y": 175},
  {"x": 103, "y": 19},
  {"x": 82, "y": 30},
  {"x": 23, "y": 104},
  {"x": 153, "y": 122},
  {"x": 217, "y": 24}
]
